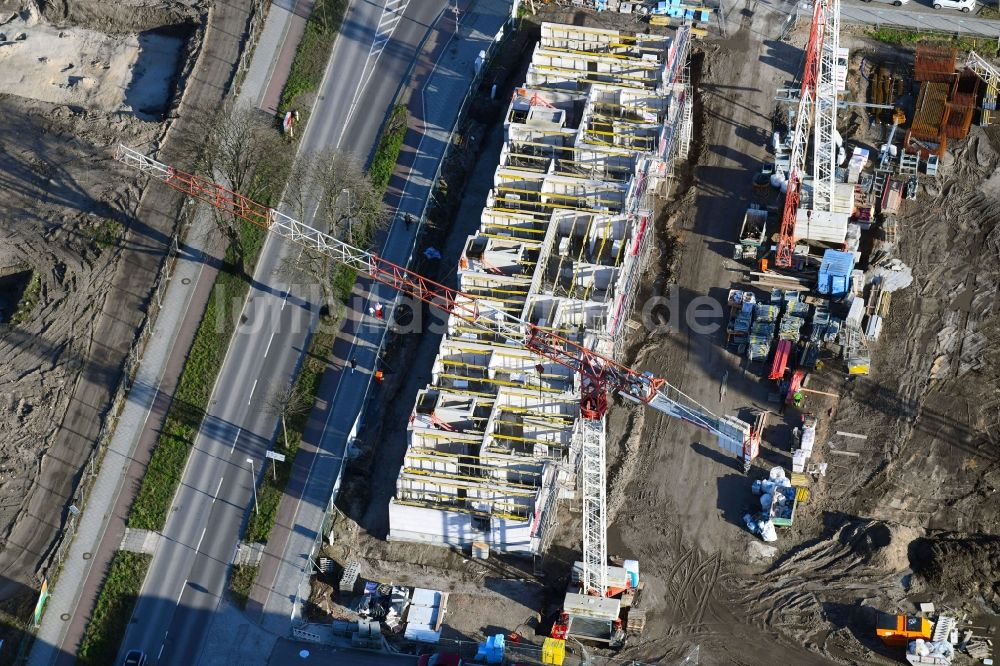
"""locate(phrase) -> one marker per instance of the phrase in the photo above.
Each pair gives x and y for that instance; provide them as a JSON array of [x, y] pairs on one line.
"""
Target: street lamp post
[[253, 484]]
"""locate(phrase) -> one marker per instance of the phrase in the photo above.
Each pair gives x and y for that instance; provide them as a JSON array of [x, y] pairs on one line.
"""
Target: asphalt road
[[187, 576], [290, 652], [919, 15]]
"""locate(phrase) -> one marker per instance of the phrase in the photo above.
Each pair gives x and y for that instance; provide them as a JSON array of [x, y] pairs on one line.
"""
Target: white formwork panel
[[430, 526]]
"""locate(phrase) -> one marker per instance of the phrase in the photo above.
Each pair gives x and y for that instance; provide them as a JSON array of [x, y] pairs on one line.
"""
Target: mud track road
[[675, 503]]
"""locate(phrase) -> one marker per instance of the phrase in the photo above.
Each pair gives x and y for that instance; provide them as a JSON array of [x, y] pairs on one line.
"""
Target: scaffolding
[[497, 436]]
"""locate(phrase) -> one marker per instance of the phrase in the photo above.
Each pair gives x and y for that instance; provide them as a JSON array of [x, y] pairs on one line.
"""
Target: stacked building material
[[790, 327], [741, 308], [820, 322], [762, 332], [886, 83], [929, 118]]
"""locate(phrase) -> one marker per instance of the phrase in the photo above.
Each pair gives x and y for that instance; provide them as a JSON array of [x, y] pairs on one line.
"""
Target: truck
[[753, 232]]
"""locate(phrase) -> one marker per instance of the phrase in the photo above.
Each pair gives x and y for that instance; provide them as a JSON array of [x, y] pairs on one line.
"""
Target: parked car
[[135, 658], [896, 3], [961, 5]]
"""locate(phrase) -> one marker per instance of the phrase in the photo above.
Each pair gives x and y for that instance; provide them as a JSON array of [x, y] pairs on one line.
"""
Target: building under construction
[[591, 138]]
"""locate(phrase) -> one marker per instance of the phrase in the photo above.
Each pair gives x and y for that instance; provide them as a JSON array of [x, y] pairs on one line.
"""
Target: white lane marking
[[239, 431], [284, 300], [217, 489], [252, 389], [392, 14], [198, 547], [269, 344], [160, 653], [182, 591]]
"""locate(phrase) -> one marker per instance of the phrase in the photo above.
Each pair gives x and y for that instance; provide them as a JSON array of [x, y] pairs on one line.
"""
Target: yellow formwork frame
[[425, 504], [515, 489], [498, 382]]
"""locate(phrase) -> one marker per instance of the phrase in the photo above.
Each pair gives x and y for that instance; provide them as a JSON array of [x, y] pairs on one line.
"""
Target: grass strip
[[29, 299], [390, 143], [166, 466], [313, 53], [241, 582], [113, 609], [904, 37]]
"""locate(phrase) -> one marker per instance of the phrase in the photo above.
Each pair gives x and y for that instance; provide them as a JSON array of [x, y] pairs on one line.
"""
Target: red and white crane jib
[[599, 373]]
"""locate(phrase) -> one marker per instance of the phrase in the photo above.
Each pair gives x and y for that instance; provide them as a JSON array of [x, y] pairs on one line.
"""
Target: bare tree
[[286, 402], [330, 191], [349, 206], [244, 151], [311, 267]]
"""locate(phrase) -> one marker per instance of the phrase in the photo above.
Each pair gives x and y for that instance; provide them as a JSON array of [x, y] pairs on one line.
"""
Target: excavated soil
[[68, 220], [913, 510]]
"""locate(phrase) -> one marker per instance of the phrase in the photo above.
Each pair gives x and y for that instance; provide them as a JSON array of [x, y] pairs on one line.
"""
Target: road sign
[[42, 598], [280, 457]]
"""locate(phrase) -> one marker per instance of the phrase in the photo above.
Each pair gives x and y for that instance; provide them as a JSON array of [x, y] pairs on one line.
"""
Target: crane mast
[[599, 374], [825, 150], [818, 96]]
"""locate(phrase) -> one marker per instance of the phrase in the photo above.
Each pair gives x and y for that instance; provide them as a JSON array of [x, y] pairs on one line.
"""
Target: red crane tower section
[[807, 103]]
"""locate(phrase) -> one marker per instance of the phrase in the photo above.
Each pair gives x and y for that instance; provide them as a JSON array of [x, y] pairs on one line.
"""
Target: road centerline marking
[[269, 343]]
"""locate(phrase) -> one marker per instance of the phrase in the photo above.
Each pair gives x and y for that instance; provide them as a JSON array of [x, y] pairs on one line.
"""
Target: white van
[[963, 5]]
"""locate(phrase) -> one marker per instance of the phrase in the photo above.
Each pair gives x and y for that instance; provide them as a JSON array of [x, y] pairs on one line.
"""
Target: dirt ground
[[919, 498], [68, 234], [908, 512]]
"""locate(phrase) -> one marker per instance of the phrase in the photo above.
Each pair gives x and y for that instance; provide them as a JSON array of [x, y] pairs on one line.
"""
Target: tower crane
[[600, 375], [816, 117]]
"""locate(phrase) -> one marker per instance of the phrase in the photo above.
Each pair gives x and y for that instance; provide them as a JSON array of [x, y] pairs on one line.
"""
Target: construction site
[[827, 464], [717, 375]]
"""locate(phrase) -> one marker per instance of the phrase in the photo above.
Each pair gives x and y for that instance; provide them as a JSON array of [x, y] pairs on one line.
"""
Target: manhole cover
[[64, 617], [87, 556], [185, 280]]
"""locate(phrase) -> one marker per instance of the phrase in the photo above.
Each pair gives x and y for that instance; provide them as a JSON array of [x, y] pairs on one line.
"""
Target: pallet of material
[[759, 344], [790, 327]]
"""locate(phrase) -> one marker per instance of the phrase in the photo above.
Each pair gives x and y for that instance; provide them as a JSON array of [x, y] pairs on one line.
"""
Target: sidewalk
[[279, 38], [319, 464], [102, 524]]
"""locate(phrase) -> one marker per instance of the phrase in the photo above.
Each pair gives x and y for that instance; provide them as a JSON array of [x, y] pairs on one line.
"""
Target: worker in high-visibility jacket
[[797, 398]]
